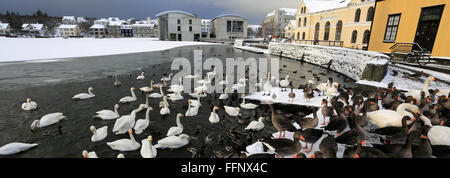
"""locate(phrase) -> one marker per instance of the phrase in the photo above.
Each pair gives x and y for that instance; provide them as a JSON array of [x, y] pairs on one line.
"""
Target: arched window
[[370, 14], [316, 34], [338, 31], [304, 22], [357, 15], [326, 35], [366, 37], [303, 36], [298, 35], [299, 22], [354, 36]]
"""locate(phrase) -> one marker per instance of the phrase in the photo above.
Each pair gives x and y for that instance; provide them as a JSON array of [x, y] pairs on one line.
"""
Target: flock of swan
[[400, 117]]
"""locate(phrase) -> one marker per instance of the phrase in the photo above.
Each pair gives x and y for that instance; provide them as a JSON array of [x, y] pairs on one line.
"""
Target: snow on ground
[[25, 49], [253, 49], [283, 97], [439, 75]]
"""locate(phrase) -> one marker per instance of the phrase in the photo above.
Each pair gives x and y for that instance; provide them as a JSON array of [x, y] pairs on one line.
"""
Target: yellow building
[[289, 30], [425, 22], [343, 23]]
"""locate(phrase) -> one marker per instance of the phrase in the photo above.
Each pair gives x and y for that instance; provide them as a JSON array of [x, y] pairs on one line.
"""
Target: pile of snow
[[283, 97], [379, 62], [25, 49], [253, 49]]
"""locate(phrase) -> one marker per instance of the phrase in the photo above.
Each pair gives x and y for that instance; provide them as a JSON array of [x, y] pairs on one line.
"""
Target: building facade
[[35, 29], [5, 29], [343, 23], [69, 30], [205, 27], [178, 26], [228, 27], [126, 30], [423, 22], [289, 30], [277, 20], [98, 30], [143, 30]]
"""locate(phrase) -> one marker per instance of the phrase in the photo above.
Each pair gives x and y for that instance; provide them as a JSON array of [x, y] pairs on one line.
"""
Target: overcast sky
[[254, 10]]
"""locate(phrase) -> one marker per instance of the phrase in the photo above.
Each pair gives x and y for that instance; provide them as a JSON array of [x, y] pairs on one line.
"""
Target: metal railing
[[320, 42]]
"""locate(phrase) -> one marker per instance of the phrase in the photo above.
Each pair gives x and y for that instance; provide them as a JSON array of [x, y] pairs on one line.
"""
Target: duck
[[214, 118], [140, 77], [125, 144], [280, 122], [142, 124], [47, 120], [147, 89], [147, 149], [178, 129], [309, 136], [173, 142], [87, 154], [256, 125], [283, 146], [116, 83], [98, 134], [126, 122], [247, 105], [129, 99], [164, 108], [108, 114], [83, 96], [191, 111], [232, 111], [291, 95], [29, 105], [224, 95], [16, 147], [157, 95], [284, 83]]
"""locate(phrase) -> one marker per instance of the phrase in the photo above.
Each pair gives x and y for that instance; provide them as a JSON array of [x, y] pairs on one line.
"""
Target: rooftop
[[228, 15], [174, 11], [323, 5]]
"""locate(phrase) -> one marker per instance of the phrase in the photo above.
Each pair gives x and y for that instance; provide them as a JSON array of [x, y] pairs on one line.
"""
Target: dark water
[[52, 84]]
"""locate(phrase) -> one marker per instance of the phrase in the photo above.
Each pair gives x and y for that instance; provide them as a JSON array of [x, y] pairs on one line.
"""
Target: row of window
[[354, 37], [179, 21], [179, 28], [370, 14]]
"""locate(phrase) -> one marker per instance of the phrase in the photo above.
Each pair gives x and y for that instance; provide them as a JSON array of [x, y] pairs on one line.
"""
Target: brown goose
[[327, 111], [308, 93], [328, 147], [351, 137], [317, 154], [283, 146], [361, 151], [307, 122], [309, 136], [401, 150], [292, 94], [280, 122]]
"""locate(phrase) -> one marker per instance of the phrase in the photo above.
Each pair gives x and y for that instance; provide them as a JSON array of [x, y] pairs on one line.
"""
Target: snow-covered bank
[[25, 49], [349, 62], [253, 49]]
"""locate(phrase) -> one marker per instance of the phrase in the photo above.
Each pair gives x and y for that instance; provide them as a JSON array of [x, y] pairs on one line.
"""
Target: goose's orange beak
[[302, 138], [423, 136], [442, 123], [313, 156], [356, 156]]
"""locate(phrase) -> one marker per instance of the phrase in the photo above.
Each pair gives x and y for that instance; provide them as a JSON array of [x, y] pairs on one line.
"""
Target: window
[[238, 26], [299, 22], [298, 35], [370, 14], [179, 21], [190, 28], [190, 21], [354, 36], [366, 37], [228, 26], [392, 27], [338, 31], [304, 22], [179, 28], [316, 34], [326, 35], [303, 36], [357, 15]]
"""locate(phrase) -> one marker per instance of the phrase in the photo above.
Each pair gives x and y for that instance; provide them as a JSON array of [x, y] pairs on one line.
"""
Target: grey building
[[277, 20], [228, 27], [178, 26]]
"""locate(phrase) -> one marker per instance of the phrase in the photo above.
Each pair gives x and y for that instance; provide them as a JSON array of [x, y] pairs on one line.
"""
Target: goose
[[98, 134], [116, 83], [47, 120], [108, 114], [416, 93], [83, 96], [267, 86], [157, 95], [147, 149], [438, 135], [175, 96], [192, 111], [232, 111], [15, 147], [256, 125], [389, 118], [125, 122], [125, 144], [224, 82], [142, 124], [291, 95], [87, 154], [280, 122], [284, 83], [178, 129], [29, 105], [224, 95], [120, 155], [328, 146], [443, 93], [309, 136], [283, 146], [129, 99], [173, 142], [308, 93], [147, 89], [247, 105], [140, 77], [196, 103], [214, 118], [164, 108], [167, 78]]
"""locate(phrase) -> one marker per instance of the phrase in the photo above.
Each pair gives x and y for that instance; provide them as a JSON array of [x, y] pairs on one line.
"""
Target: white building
[[35, 29], [98, 30], [228, 27], [69, 30], [205, 27], [143, 30], [179, 26], [277, 20], [5, 28], [253, 30]]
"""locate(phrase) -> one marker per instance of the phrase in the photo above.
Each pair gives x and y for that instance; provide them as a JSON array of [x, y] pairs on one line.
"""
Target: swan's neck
[[179, 122], [160, 89], [260, 119], [146, 100], [90, 92], [243, 100], [132, 138], [151, 85], [115, 110], [164, 81], [132, 94], [147, 114]]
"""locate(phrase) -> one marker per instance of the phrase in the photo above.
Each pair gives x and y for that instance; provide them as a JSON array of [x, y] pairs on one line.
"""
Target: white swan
[[247, 105], [267, 86], [167, 78], [192, 111], [175, 96], [201, 89], [232, 111], [147, 89], [195, 95], [224, 82], [157, 95], [158, 85], [126, 122], [108, 114], [416, 93], [174, 88], [173, 142], [332, 91], [87, 154], [83, 96], [389, 118], [196, 103], [147, 149], [120, 155], [213, 73], [256, 125], [224, 95], [142, 124], [178, 129], [140, 77], [47, 120], [129, 99], [125, 144], [438, 135], [164, 108], [203, 81], [15, 147], [98, 134], [29, 105], [192, 76], [214, 118], [285, 83]]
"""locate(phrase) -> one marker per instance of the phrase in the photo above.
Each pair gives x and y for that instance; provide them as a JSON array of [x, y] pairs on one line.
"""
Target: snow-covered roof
[[323, 5], [4, 25], [206, 20], [288, 11], [68, 18], [80, 19], [254, 27], [143, 25], [174, 11], [35, 26], [67, 26], [97, 26], [228, 15]]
